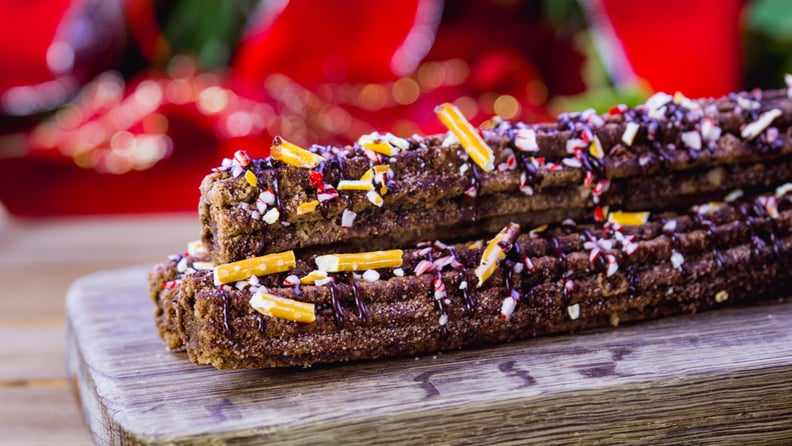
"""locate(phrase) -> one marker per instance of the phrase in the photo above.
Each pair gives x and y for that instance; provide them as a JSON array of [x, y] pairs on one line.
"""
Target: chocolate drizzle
[[468, 203], [339, 315]]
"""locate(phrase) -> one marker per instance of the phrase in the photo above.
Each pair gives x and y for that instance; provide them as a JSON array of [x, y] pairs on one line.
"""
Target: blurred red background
[[122, 106]]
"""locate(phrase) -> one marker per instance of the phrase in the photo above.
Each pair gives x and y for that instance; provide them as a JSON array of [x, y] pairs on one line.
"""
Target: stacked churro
[[400, 246]]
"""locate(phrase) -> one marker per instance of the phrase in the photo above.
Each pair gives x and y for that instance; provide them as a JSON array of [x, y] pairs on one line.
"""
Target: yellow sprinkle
[[283, 308], [596, 148], [381, 147], [294, 155], [355, 185], [333, 263], [307, 207], [313, 276], [628, 218], [250, 177], [471, 141], [376, 170], [494, 253], [383, 189], [257, 266]]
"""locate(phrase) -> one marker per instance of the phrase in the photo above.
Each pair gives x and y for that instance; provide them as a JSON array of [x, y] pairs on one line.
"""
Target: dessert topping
[[630, 130], [525, 140], [628, 218], [293, 154], [573, 311], [496, 251], [251, 178], [196, 247], [348, 218], [307, 207], [752, 130], [313, 276], [271, 305], [355, 185], [333, 263], [256, 266], [468, 137]]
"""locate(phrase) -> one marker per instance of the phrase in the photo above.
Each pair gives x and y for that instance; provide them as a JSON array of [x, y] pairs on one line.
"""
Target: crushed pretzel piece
[[496, 251], [256, 266], [293, 154], [468, 137], [355, 185], [628, 218], [307, 207], [334, 263], [279, 307]]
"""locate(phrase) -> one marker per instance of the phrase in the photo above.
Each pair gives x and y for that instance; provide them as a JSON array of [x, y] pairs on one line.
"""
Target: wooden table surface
[[39, 259]]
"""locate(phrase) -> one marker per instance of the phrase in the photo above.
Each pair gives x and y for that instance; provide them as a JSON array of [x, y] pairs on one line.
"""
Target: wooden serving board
[[717, 377]]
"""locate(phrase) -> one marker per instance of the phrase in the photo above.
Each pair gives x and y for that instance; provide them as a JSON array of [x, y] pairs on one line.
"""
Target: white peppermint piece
[[395, 141], [733, 196], [670, 226], [692, 139], [449, 140], [755, 128], [573, 311], [369, 138], [572, 162], [525, 140], [398, 272], [630, 130], [748, 104], [677, 260], [575, 144], [182, 265], [709, 131], [271, 216], [371, 275], [658, 100], [267, 197], [348, 218], [783, 190], [509, 304], [443, 319]]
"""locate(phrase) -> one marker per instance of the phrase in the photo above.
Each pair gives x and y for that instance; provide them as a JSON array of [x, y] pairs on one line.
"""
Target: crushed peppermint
[[423, 266], [752, 130], [692, 139], [371, 275], [507, 308], [525, 140], [670, 226], [267, 197], [398, 272], [677, 260], [573, 311], [630, 130], [613, 265], [733, 196], [348, 218], [271, 216], [783, 190], [572, 162], [709, 131]]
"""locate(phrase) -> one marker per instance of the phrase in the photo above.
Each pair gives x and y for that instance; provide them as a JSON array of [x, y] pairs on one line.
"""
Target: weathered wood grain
[[43, 415], [720, 377]]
